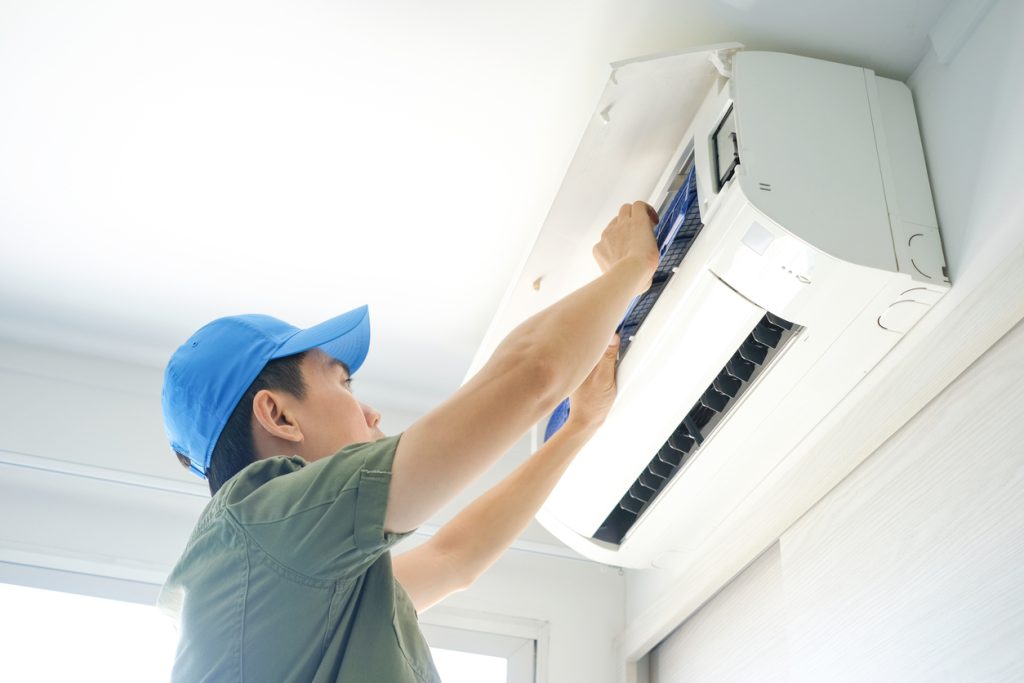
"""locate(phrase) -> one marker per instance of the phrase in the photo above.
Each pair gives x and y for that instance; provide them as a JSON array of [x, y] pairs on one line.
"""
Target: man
[[287, 574]]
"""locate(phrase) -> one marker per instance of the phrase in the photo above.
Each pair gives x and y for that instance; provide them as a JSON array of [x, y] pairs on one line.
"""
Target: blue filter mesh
[[677, 228], [557, 419]]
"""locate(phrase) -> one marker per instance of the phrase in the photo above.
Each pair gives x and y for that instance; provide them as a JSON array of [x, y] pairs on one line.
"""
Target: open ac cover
[[799, 244]]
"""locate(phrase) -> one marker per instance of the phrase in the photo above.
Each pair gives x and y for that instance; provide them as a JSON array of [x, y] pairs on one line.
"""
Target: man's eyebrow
[[341, 364]]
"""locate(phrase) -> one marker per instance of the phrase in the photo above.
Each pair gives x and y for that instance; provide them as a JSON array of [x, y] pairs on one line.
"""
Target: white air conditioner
[[808, 246]]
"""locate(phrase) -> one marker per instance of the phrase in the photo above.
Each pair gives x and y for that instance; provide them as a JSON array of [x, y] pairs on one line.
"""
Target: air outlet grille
[[764, 342]]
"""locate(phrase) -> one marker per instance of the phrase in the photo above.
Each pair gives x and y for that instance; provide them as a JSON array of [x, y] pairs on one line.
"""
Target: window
[[51, 635], [456, 666], [488, 650], [54, 636]]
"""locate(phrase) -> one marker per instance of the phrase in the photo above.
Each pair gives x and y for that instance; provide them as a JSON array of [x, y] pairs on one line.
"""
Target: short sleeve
[[325, 519]]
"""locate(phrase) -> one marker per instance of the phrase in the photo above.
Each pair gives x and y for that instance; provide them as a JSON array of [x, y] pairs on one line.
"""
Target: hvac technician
[[287, 574]]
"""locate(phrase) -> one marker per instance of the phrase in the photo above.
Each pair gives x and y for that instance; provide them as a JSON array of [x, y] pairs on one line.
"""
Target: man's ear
[[274, 416]]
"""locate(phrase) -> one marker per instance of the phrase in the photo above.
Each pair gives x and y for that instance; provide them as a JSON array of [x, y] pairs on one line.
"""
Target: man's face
[[330, 416]]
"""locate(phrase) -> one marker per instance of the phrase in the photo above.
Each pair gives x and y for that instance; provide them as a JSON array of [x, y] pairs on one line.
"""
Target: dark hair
[[235, 447]]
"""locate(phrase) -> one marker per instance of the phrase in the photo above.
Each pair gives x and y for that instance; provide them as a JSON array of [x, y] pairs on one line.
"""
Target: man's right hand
[[630, 235]]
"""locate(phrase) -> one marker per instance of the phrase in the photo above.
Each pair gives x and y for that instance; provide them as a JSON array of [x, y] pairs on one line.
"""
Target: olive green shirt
[[287, 577]]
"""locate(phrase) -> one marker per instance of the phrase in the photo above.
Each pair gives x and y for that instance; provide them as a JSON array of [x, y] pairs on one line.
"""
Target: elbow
[[469, 573], [463, 581], [539, 377], [547, 378], [461, 570]]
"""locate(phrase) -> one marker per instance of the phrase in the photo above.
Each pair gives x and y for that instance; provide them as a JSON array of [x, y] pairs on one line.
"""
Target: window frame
[[523, 642]]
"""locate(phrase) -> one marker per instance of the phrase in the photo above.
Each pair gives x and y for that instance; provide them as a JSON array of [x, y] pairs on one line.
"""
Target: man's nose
[[372, 416]]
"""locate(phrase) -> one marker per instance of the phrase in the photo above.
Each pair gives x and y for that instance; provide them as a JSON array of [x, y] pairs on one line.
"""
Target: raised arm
[[471, 542], [535, 366]]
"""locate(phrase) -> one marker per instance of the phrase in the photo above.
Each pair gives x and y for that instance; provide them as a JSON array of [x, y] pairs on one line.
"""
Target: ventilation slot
[[765, 341]]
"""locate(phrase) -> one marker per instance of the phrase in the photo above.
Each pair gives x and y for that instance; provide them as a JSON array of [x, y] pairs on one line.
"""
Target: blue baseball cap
[[207, 375]]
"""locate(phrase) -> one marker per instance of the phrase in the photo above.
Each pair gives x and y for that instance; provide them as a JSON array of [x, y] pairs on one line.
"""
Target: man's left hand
[[590, 403]]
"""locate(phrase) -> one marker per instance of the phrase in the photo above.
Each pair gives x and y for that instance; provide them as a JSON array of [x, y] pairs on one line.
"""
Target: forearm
[[465, 547], [539, 363], [478, 535], [572, 333]]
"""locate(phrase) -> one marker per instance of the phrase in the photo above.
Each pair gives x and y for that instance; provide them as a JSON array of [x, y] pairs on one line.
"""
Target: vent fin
[[765, 341]]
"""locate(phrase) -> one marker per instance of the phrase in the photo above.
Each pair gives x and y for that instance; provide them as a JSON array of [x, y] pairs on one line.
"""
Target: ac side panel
[[912, 199], [805, 131], [908, 193]]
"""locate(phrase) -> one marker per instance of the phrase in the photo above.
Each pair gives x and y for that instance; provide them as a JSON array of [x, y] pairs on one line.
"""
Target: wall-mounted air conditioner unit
[[799, 243]]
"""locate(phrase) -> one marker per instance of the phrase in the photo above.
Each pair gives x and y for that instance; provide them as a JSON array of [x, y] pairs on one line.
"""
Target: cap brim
[[346, 337]]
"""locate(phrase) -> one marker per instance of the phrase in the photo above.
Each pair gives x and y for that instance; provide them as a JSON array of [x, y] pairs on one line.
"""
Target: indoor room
[[539, 342]]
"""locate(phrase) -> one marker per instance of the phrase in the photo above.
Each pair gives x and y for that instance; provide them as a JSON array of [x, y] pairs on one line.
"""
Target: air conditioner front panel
[[805, 129]]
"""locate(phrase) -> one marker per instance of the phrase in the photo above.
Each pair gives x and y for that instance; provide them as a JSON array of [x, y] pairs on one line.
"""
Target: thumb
[[613, 346]]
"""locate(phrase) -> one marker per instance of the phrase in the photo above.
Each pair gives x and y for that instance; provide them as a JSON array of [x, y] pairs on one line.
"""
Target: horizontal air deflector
[[764, 342]]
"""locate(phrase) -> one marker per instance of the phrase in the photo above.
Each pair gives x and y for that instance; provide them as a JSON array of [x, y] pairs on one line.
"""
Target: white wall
[[912, 569], [88, 483], [706, 646], [92, 501], [968, 111]]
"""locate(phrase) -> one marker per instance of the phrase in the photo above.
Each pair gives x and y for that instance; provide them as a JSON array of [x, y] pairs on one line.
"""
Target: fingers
[[638, 208], [629, 234], [607, 362]]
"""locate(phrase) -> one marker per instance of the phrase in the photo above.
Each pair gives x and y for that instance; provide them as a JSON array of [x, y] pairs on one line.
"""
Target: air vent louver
[[756, 352]]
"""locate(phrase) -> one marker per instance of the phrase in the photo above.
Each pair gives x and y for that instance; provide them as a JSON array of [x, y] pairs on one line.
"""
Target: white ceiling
[[165, 164]]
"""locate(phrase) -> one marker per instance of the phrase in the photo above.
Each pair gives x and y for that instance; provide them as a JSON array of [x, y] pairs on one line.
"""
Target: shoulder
[[281, 486], [257, 474]]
